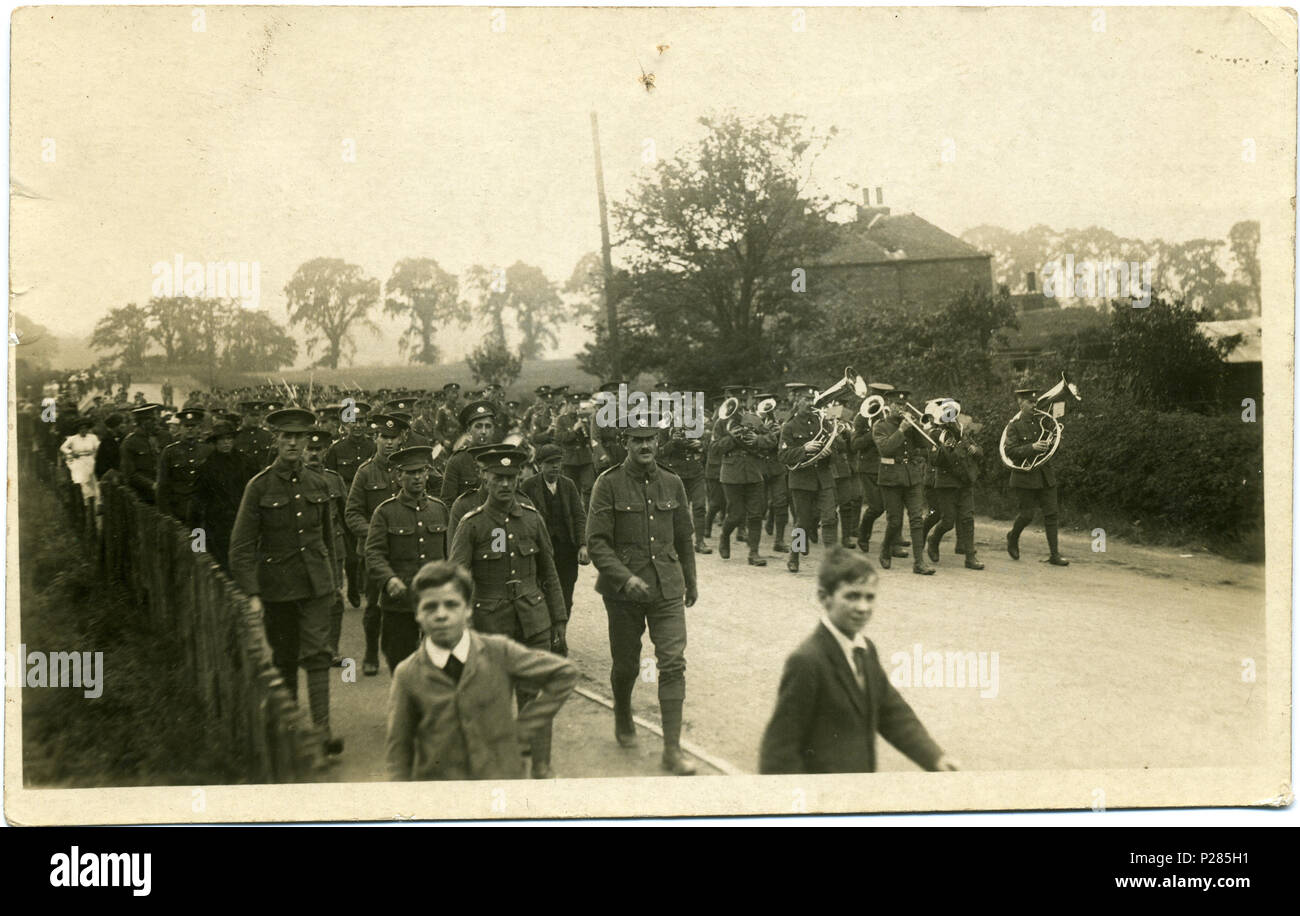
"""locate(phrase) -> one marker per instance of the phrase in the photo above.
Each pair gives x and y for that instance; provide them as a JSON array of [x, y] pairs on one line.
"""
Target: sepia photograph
[[480, 413]]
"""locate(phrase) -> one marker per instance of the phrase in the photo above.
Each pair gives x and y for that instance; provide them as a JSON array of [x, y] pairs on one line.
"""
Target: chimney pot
[[880, 196]]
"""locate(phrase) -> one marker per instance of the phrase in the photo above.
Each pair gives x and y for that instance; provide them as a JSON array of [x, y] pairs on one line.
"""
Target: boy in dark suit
[[835, 696]]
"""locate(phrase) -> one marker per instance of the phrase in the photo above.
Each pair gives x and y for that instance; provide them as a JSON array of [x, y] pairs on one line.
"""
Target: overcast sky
[[474, 146]]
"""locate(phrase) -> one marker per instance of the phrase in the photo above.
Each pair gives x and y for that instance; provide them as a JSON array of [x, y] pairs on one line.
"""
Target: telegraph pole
[[615, 358]]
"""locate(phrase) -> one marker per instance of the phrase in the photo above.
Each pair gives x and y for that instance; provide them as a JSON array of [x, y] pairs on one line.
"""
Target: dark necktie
[[860, 663], [453, 668]]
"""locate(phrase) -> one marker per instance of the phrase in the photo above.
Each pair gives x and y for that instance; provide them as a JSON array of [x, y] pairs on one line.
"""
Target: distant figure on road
[[450, 711], [835, 696]]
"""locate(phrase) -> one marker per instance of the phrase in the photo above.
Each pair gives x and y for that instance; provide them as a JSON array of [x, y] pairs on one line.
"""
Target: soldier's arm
[[579, 514], [355, 513], [377, 549], [600, 534], [554, 676], [792, 443], [462, 545], [889, 444], [1019, 446], [860, 440], [451, 482], [547, 577], [243, 541]]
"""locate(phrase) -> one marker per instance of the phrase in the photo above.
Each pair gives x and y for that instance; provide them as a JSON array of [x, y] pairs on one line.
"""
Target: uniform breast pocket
[[401, 543], [277, 514], [527, 547]]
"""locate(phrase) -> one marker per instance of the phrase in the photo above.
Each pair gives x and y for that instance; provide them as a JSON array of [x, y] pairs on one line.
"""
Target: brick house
[[887, 261]]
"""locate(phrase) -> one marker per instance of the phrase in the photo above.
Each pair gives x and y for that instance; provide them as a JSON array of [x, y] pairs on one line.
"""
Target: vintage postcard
[[499, 412]]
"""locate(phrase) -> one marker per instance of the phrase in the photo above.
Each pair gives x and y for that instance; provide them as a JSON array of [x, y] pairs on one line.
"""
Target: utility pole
[[615, 358]]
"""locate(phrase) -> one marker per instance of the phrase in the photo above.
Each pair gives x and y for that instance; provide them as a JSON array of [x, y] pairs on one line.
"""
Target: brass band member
[[869, 472], [1036, 488], [903, 451], [573, 434], [812, 489], [745, 443], [956, 469]]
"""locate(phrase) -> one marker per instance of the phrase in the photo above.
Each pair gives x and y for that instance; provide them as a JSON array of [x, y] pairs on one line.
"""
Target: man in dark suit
[[835, 696], [1034, 489], [560, 504]]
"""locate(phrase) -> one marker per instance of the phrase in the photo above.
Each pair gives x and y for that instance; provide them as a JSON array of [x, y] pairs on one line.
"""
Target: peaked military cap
[[1026, 392], [192, 416], [503, 459], [476, 410], [640, 427], [319, 437], [881, 388], [413, 458], [387, 424], [221, 429], [291, 420]]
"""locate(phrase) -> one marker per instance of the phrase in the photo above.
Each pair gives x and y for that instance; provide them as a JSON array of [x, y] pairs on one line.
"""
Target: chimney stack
[[880, 197], [1031, 281]]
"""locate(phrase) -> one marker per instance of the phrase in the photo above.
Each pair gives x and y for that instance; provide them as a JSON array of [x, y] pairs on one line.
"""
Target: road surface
[[1128, 658]]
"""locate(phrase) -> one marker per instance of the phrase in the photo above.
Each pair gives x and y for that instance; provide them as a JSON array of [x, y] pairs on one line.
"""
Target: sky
[[473, 143]]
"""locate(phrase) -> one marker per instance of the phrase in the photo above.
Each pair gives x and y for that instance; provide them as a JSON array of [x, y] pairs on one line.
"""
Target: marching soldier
[[573, 434], [812, 488], [507, 549], [280, 555], [684, 457], [639, 537], [344, 457], [774, 475], [140, 453], [375, 481], [1036, 488], [318, 440], [715, 496], [478, 419], [848, 492], [864, 446], [178, 468], [406, 532], [252, 440], [745, 442], [902, 451], [956, 468]]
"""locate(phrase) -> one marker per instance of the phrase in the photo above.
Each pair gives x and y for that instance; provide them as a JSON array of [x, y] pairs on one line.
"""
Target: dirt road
[[1127, 658]]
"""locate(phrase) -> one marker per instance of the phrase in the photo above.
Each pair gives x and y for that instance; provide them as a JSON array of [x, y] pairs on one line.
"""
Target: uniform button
[[300, 513], [652, 537]]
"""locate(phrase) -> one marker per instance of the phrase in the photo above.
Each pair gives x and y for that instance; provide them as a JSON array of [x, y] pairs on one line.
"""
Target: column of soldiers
[[304, 509]]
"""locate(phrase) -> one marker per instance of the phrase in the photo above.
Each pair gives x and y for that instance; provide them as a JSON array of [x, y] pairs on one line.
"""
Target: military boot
[[674, 760], [755, 536]]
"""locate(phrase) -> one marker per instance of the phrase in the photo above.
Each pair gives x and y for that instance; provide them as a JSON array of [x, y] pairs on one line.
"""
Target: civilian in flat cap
[[1034, 489], [281, 555], [406, 532], [641, 541], [374, 482], [140, 452], [218, 489], [506, 547], [557, 499], [178, 467], [478, 420], [318, 441]]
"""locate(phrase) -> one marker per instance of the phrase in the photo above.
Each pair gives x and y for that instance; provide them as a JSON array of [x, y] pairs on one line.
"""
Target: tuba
[[825, 438], [1050, 428], [851, 379]]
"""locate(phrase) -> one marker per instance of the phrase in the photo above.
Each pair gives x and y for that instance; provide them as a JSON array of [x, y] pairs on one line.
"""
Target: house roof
[[1251, 348], [905, 236]]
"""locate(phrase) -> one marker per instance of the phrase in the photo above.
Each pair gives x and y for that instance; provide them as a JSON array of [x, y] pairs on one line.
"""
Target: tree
[[1243, 240], [172, 326], [493, 363], [430, 297], [125, 333], [330, 297], [714, 235], [1160, 357], [523, 294], [255, 343], [36, 343]]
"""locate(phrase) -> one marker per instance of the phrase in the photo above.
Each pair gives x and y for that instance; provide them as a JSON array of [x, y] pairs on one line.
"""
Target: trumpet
[[911, 421]]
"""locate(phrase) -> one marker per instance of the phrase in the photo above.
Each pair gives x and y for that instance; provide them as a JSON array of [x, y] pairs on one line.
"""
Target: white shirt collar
[[438, 655], [846, 645], [553, 487]]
